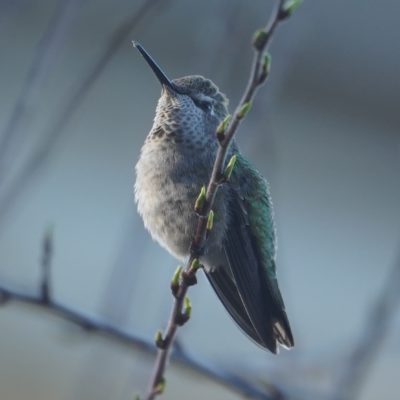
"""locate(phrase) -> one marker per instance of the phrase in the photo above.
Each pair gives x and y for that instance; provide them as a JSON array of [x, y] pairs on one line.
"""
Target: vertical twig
[[47, 254], [181, 281], [43, 57], [354, 373], [32, 166]]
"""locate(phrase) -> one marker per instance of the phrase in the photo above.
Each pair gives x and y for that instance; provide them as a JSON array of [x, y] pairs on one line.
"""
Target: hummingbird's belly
[[168, 214], [166, 205]]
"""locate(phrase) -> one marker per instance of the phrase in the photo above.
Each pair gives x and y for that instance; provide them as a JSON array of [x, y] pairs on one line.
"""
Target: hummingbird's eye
[[205, 105]]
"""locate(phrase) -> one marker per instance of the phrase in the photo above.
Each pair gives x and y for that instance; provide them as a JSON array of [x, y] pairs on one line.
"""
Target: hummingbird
[[240, 251]]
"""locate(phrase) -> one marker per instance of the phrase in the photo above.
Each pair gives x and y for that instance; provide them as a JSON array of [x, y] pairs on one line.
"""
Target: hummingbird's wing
[[226, 290], [250, 251]]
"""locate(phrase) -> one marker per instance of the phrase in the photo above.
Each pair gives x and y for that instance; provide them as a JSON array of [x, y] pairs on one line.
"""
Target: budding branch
[[184, 278]]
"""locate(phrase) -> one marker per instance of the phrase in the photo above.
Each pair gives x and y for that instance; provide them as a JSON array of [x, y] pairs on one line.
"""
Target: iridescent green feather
[[254, 193]]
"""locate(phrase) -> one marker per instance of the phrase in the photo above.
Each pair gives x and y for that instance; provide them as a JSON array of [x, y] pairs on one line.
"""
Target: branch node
[[260, 39], [160, 386], [160, 342], [189, 278], [181, 319], [288, 8]]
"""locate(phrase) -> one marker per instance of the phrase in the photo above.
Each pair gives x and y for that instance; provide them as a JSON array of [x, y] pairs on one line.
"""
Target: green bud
[[266, 63], [198, 205], [244, 109], [222, 127], [210, 220], [195, 264], [260, 39], [288, 8], [158, 338], [187, 307], [175, 279], [160, 387], [265, 67], [229, 167]]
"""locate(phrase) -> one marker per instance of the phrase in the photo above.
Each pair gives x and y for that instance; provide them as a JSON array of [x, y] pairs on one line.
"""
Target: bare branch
[[33, 165], [44, 54], [45, 301], [47, 253], [225, 378], [204, 204], [360, 361]]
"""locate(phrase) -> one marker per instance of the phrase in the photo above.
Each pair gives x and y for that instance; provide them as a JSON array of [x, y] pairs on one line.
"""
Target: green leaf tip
[[288, 8], [201, 198], [158, 339], [229, 167], [176, 276], [195, 265], [160, 387], [187, 306], [265, 67], [260, 39], [244, 109], [221, 128], [210, 220], [158, 336], [266, 63]]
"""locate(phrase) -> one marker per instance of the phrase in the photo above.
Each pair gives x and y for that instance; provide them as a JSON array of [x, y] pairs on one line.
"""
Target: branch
[[182, 279], [45, 301], [51, 39], [54, 132], [360, 361]]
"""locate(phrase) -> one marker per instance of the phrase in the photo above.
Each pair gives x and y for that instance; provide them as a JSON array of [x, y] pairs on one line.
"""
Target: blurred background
[[76, 105]]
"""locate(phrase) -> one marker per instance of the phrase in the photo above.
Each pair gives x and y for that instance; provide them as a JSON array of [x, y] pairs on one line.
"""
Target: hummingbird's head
[[192, 103], [203, 94]]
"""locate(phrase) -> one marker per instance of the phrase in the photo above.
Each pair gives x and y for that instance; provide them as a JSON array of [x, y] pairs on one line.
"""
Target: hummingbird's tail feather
[[283, 335], [228, 294]]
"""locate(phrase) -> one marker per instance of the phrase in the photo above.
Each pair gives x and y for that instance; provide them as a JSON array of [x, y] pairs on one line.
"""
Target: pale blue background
[[325, 131]]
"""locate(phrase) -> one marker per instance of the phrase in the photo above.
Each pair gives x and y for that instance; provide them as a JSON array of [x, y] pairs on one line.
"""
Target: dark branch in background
[[182, 279], [360, 361], [45, 301], [31, 167], [47, 252], [44, 55]]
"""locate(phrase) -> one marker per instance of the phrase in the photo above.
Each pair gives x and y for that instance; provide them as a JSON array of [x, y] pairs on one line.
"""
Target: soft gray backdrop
[[325, 131]]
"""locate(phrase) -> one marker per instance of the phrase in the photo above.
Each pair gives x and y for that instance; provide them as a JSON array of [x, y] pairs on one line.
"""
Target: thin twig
[[94, 325], [36, 160], [178, 314], [47, 254], [354, 373], [44, 55], [44, 299]]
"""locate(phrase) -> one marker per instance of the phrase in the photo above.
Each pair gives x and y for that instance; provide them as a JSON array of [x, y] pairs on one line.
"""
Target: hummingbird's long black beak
[[164, 80]]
